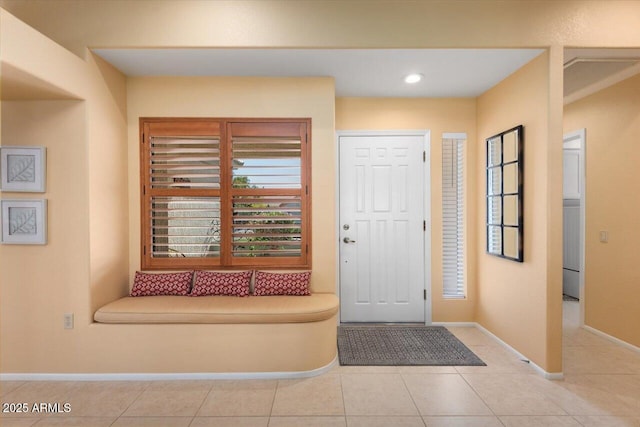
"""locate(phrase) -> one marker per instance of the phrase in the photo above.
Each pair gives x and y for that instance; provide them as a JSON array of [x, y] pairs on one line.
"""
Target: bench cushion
[[220, 309]]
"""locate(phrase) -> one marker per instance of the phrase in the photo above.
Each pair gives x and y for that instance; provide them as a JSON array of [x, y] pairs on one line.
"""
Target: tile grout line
[[201, 404], [480, 397], [413, 400], [273, 402], [344, 405], [146, 386], [461, 374], [576, 420]]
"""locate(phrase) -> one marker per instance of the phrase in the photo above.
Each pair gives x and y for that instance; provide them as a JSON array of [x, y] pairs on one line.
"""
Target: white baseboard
[[456, 324], [538, 369], [281, 375], [612, 338], [171, 376]]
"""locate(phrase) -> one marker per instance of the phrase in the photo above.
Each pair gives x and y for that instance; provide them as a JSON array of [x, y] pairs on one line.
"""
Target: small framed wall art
[[24, 222], [23, 169]]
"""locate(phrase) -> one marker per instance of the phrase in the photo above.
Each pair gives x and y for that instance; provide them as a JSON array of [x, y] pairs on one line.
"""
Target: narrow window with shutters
[[453, 216], [225, 193]]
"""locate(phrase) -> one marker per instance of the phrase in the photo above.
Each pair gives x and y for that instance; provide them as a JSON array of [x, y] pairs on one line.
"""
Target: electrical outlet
[[68, 320], [604, 236]]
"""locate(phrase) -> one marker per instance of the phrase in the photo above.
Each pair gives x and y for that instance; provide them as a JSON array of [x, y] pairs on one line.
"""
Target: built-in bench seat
[[168, 309], [218, 335]]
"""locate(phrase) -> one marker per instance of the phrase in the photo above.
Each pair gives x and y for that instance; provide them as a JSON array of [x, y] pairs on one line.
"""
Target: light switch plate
[[68, 320]]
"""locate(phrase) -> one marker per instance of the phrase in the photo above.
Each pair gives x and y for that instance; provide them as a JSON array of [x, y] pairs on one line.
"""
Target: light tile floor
[[601, 388]]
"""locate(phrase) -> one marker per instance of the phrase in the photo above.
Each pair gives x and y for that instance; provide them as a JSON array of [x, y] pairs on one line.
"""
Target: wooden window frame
[[224, 129]]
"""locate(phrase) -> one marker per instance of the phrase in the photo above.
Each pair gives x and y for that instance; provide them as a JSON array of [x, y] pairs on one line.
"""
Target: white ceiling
[[357, 72]]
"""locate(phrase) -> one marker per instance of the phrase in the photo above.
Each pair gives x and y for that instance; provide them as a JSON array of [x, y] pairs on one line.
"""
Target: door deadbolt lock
[[345, 227]]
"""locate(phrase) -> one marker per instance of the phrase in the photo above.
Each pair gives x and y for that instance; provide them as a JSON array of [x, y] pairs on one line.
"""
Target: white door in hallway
[[573, 212], [382, 237]]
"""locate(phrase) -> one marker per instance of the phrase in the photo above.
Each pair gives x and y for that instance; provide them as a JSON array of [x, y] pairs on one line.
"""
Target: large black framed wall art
[[505, 173]]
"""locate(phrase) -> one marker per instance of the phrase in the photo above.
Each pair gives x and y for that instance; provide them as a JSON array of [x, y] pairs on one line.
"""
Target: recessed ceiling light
[[413, 78]]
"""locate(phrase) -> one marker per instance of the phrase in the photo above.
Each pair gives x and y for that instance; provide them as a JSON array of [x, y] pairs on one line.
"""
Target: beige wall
[[320, 23], [77, 24], [84, 262], [611, 118], [513, 297], [106, 123], [35, 67], [246, 97], [439, 116], [87, 259], [40, 283]]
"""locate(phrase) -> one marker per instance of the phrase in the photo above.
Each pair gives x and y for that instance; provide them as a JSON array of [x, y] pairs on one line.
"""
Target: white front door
[[382, 238]]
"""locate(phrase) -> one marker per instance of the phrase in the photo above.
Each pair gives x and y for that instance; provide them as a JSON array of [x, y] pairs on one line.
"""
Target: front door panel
[[381, 228]]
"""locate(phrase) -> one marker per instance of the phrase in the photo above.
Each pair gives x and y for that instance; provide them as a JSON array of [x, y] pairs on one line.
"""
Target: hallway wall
[[612, 272]]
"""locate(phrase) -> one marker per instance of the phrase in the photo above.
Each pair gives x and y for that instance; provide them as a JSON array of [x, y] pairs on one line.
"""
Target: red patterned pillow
[[219, 283], [282, 283], [146, 284]]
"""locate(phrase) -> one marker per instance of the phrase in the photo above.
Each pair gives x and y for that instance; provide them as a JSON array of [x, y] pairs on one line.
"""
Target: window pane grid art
[[505, 171]]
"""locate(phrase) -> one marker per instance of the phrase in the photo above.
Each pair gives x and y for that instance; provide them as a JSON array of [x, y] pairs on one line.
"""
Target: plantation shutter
[[225, 193], [185, 162], [453, 216], [181, 205], [269, 193]]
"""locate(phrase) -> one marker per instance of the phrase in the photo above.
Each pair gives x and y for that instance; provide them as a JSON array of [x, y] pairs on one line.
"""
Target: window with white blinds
[[225, 193], [453, 216]]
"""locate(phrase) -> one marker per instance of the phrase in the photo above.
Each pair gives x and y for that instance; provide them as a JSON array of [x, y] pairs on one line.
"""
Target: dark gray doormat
[[402, 346]]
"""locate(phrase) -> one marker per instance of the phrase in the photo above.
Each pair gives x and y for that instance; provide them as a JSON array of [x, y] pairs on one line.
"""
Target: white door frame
[[581, 137], [426, 173]]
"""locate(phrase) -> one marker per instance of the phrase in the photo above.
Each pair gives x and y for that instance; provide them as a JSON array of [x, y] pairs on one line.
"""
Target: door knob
[[348, 240]]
